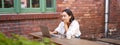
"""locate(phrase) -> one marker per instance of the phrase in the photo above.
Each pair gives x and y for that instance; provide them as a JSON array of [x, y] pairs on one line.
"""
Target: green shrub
[[19, 40]]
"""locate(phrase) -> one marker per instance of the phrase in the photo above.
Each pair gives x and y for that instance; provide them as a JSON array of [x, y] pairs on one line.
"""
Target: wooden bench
[[111, 41]]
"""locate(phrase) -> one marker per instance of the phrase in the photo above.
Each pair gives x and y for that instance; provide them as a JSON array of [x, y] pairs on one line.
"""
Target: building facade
[[25, 16]]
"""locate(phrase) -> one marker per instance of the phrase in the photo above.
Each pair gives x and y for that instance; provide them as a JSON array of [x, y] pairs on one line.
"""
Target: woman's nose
[[62, 18]]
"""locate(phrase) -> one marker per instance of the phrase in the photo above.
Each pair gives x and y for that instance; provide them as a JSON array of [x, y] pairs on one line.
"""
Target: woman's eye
[[64, 16]]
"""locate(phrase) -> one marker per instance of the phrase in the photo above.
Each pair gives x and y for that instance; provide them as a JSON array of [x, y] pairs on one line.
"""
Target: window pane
[[8, 4], [48, 3], [0, 3], [35, 3], [30, 4], [23, 3]]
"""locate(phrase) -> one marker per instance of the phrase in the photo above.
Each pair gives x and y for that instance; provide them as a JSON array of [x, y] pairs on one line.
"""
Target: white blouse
[[73, 30]]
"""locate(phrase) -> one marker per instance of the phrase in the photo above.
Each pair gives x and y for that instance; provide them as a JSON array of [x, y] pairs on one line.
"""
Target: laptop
[[45, 31]]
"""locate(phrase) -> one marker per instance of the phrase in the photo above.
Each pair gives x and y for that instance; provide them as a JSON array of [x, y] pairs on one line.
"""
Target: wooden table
[[36, 35], [64, 41], [112, 41], [74, 41]]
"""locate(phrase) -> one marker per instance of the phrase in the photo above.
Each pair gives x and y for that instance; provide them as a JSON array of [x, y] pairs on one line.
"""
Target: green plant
[[19, 40]]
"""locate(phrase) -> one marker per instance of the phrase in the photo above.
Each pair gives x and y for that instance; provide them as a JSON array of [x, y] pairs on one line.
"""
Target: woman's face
[[65, 17]]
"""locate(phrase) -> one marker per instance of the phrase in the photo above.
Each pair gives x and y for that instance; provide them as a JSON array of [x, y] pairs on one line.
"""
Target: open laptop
[[45, 31]]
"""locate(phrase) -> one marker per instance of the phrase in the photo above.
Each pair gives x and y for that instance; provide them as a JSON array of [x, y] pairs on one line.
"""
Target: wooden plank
[[112, 41]]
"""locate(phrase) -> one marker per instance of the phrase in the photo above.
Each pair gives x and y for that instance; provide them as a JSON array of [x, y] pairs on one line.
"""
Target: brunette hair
[[69, 12]]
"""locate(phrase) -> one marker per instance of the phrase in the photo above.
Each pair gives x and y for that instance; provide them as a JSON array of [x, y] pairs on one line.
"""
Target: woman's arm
[[66, 27], [58, 29], [74, 29]]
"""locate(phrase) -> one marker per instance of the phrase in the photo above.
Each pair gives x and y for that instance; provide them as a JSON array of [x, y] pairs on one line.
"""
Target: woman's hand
[[52, 32]]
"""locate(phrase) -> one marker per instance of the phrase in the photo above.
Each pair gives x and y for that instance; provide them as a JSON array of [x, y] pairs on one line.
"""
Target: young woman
[[68, 26]]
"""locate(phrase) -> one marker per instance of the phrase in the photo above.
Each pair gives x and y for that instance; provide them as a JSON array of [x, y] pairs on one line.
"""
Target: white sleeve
[[59, 28]]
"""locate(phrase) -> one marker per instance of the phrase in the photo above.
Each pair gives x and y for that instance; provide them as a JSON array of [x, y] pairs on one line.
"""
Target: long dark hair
[[69, 12]]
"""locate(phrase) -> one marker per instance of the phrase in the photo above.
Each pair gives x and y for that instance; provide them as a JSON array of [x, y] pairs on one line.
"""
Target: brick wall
[[25, 24], [89, 13], [114, 21]]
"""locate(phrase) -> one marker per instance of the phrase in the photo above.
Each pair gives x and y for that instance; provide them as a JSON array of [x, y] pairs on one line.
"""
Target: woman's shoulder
[[75, 21]]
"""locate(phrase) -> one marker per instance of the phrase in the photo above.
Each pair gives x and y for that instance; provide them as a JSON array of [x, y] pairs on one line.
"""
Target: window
[[27, 6], [6, 6], [49, 3]]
